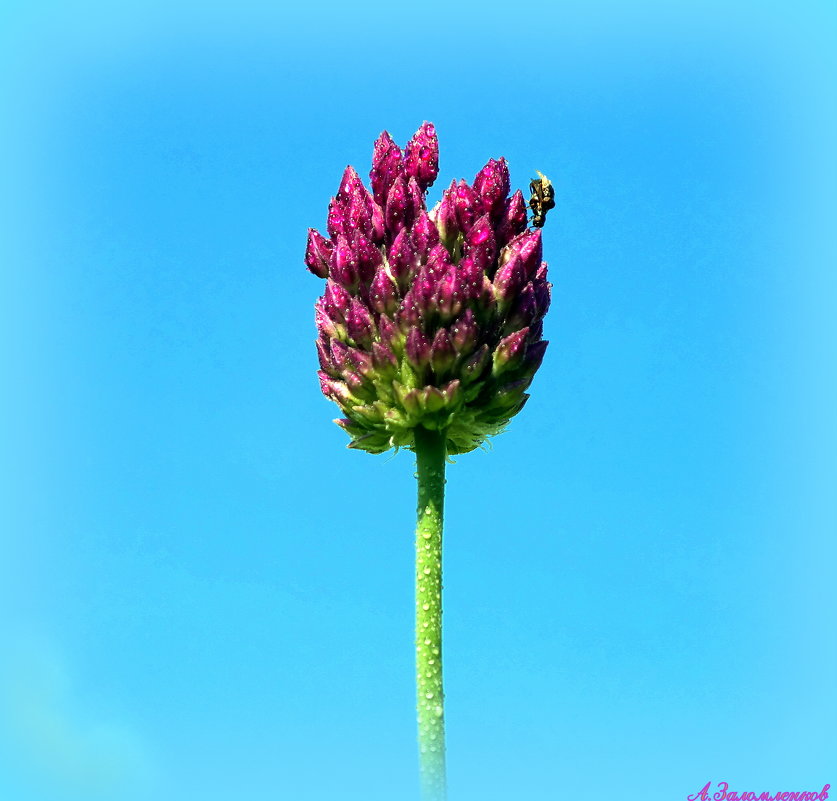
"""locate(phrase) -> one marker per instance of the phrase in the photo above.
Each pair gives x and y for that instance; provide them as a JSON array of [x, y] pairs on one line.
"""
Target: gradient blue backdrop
[[206, 596]]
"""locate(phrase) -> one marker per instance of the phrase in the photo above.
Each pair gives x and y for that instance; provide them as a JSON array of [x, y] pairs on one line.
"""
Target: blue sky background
[[204, 594]]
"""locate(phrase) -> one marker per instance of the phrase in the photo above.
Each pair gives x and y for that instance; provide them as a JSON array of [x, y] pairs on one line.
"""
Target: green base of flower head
[[469, 414]]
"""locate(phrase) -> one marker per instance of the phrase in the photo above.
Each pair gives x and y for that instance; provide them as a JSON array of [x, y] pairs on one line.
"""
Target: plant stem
[[430, 463]]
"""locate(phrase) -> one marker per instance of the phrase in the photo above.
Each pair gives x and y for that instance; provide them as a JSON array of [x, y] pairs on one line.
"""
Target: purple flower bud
[[528, 247], [383, 358], [471, 277], [350, 186], [450, 294], [535, 352], [474, 367], [336, 301], [377, 224], [368, 258], [509, 279], [383, 295], [524, 311], [336, 220], [491, 187], [442, 354], [465, 332], [487, 300], [343, 266], [424, 289], [386, 167], [438, 261], [317, 253], [397, 205], [410, 312], [339, 354], [359, 214], [509, 352], [324, 356], [334, 389], [421, 159], [415, 203], [325, 325], [360, 362], [359, 324], [425, 234], [447, 222], [513, 218], [390, 335], [417, 348], [531, 251], [358, 386], [542, 289], [457, 211], [465, 202], [403, 259], [480, 244]]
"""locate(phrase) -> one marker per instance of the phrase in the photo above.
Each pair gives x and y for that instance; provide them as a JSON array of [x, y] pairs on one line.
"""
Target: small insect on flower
[[542, 200]]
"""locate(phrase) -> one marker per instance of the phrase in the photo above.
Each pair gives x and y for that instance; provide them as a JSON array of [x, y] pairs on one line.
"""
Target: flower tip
[[384, 140], [349, 183], [387, 165], [491, 185], [421, 156]]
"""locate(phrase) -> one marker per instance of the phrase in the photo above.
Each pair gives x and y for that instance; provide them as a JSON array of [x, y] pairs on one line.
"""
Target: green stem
[[430, 462]]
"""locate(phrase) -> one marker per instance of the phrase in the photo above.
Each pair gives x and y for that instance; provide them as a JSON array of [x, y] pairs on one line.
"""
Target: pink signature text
[[725, 794]]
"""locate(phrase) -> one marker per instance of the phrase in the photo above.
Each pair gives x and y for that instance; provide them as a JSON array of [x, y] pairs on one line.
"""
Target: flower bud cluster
[[431, 318]]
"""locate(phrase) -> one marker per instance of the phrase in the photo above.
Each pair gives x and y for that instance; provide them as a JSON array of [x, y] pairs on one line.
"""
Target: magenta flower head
[[430, 317]]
